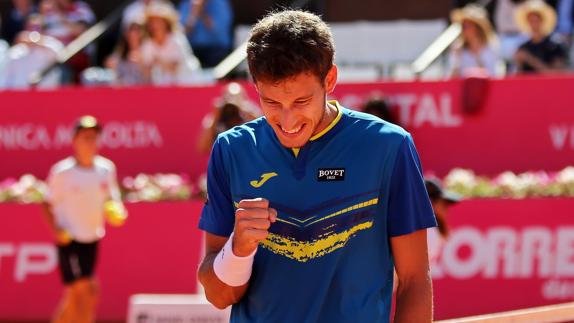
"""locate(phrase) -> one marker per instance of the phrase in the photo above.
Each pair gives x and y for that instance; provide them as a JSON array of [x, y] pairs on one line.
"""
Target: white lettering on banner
[[30, 259], [135, 135], [505, 252], [62, 137], [115, 135], [502, 241], [25, 136], [565, 252], [35, 259], [558, 289], [416, 110], [536, 245], [6, 250], [559, 136]]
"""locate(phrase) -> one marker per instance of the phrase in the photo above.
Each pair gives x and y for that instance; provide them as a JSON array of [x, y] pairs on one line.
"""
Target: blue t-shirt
[[328, 256]]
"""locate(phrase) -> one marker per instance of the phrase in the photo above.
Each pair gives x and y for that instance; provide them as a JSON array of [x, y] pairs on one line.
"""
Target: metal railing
[[440, 44], [81, 42]]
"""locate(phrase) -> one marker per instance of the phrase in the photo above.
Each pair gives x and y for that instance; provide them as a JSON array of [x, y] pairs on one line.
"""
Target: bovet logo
[[331, 174]]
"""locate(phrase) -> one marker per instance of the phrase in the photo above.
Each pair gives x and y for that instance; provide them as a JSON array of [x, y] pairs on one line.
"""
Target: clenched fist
[[252, 221]]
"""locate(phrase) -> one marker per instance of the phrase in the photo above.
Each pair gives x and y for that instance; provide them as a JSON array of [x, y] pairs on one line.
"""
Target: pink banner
[[501, 255], [157, 251], [505, 254], [524, 124]]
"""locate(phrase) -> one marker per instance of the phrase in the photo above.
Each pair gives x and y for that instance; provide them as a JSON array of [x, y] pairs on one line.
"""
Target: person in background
[[476, 50], [565, 26], [15, 21], [82, 193], [380, 107], [165, 55], [540, 54], [66, 20], [31, 54], [441, 200], [233, 108], [137, 9], [509, 34], [208, 26], [126, 60]]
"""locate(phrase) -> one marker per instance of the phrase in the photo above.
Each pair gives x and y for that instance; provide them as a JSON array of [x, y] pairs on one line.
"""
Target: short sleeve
[[409, 207], [218, 216]]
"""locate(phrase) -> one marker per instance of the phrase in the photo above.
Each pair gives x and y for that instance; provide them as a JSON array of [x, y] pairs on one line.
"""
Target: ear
[[331, 79]]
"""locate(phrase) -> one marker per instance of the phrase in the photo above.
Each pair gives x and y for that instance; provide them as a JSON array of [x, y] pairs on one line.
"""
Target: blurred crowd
[[154, 47], [165, 44], [512, 37]]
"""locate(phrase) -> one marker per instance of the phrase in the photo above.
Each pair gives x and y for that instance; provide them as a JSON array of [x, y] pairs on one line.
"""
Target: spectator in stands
[[507, 30], [540, 54], [126, 60], [231, 109], [476, 51], [380, 107], [166, 55], [136, 10], [15, 21], [441, 200], [66, 20], [209, 26], [31, 54]]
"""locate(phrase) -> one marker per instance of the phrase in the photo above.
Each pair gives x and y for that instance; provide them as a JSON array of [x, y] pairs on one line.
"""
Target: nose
[[288, 119]]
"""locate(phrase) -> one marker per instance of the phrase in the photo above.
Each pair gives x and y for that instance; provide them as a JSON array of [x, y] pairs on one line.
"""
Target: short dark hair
[[287, 43]]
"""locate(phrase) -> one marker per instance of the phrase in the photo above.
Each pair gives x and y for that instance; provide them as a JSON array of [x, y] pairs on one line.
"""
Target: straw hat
[[477, 15], [160, 9], [535, 6]]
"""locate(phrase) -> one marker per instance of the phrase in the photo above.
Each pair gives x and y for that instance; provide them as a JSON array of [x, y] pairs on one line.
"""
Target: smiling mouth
[[293, 131]]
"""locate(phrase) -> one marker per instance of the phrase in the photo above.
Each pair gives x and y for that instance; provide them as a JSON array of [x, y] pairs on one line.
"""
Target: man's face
[[85, 143], [295, 107], [535, 22]]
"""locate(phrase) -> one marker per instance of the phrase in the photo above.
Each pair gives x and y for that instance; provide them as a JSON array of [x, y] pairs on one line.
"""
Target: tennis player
[[311, 207]]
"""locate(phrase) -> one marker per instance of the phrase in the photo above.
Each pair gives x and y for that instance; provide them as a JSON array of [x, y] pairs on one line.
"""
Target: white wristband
[[232, 270]]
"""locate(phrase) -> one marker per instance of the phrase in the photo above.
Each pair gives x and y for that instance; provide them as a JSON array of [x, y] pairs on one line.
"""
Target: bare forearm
[[218, 293], [414, 301]]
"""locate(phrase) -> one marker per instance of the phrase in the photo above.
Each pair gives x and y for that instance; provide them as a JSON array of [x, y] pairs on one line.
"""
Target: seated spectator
[[15, 21], [66, 20], [32, 53], [136, 10], [209, 26], [126, 60], [379, 107], [233, 108], [540, 54], [165, 54], [476, 50]]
